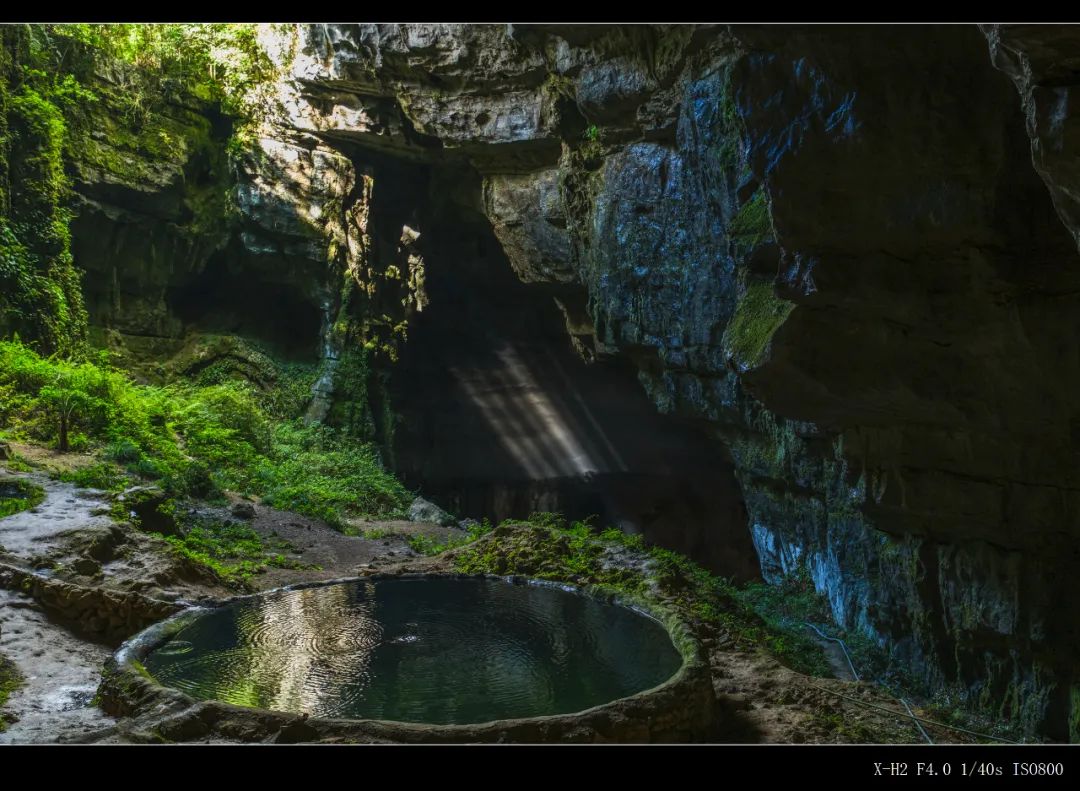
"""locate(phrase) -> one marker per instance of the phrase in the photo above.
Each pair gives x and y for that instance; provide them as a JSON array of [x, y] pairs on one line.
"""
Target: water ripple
[[427, 650]]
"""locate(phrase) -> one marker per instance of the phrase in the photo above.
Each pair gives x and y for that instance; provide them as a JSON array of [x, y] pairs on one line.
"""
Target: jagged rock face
[[178, 236], [1043, 61], [829, 244]]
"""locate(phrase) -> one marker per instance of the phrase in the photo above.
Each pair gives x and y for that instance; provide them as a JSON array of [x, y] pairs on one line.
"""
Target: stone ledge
[[95, 612], [682, 709]]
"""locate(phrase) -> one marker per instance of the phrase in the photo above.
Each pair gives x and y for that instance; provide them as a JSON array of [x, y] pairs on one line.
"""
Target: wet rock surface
[[60, 677]]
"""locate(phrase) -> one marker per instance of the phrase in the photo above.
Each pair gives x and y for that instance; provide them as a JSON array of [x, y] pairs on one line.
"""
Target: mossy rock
[[757, 317], [18, 495], [10, 680]]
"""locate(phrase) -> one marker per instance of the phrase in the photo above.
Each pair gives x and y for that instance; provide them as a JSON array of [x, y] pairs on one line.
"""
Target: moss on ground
[[10, 680], [233, 552], [17, 495], [426, 545]]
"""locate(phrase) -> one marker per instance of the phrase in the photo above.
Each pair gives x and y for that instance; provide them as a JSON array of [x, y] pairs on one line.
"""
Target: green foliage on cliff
[[193, 439], [93, 96], [213, 61], [751, 224], [40, 288], [757, 317]]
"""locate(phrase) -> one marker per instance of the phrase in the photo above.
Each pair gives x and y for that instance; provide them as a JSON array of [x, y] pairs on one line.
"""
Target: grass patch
[[374, 534], [17, 495], [102, 475], [318, 471], [18, 463], [784, 610], [234, 552], [426, 545], [10, 680]]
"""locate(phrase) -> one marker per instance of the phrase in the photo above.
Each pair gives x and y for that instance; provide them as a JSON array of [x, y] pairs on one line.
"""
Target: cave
[[766, 332], [232, 295], [500, 416]]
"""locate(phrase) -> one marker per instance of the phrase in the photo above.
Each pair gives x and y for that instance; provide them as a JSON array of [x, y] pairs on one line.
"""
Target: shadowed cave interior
[[500, 417]]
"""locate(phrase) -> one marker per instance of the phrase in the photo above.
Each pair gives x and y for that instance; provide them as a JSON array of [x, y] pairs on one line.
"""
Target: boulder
[[423, 511]]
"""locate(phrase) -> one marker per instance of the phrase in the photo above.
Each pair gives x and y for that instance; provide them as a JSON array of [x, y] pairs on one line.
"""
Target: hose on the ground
[[913, 716], [854, 672]]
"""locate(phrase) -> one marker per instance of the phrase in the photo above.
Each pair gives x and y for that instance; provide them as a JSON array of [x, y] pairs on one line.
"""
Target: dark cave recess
[[500, 417]]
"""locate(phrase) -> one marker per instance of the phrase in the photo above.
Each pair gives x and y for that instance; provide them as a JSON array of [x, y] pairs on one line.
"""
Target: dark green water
[[421, 650]]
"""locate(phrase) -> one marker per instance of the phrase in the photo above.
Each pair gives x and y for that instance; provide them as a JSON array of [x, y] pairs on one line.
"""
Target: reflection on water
[[421, 650]]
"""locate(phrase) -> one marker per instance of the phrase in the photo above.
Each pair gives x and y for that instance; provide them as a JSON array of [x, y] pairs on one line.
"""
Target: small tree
[[70, 399]]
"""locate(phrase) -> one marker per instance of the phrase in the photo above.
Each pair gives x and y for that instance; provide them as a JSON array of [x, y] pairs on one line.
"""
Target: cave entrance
[[235, 296], [499, 417]]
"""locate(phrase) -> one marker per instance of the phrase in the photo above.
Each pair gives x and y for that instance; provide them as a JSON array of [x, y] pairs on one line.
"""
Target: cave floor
[[762, 700]]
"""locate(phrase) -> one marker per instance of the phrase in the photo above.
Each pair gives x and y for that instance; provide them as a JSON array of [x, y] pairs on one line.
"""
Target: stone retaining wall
[[682, 709], [94, 612]]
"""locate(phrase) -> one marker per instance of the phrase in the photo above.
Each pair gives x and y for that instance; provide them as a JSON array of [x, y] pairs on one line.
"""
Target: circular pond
[[432, 650]]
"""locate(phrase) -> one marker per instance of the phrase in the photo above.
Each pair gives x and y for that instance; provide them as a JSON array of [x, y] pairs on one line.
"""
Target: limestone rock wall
[[831, 246], [828, 246]]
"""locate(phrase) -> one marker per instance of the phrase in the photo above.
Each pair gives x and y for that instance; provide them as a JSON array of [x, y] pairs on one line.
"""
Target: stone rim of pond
[[682, 708]]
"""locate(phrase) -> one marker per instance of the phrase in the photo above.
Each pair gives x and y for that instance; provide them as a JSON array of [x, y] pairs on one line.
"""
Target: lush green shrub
[[195, 440]]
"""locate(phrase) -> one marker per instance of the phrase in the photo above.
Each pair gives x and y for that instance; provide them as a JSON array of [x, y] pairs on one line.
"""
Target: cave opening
[[229, 297], [499, 416]]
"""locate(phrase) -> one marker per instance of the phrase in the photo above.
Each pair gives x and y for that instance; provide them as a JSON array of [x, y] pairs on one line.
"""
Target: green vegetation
[[101, 475], [234, 552], [426, 545], [315, 470], [751, 224], [785, 609], [193, 440], [17, 495], [49, 81], [10, 680], [728, 149], [547, 547], [757, 317], [373, 534], [17, 463], [40, 288], [220, 62]]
